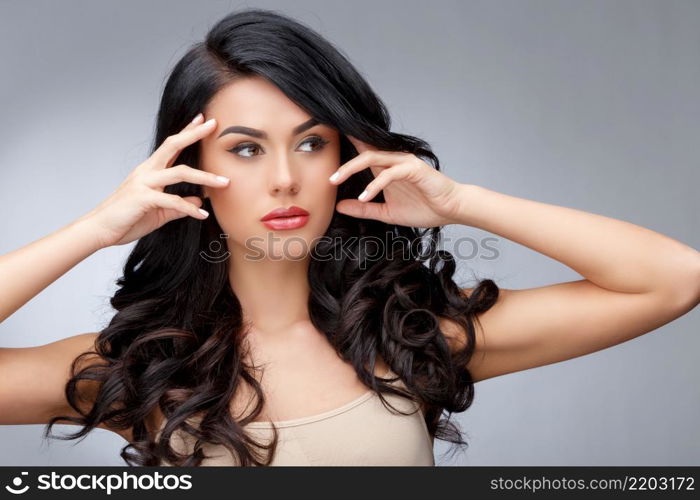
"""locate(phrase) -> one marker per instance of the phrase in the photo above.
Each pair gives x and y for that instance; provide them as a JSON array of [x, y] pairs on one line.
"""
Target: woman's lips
[[292, 222]]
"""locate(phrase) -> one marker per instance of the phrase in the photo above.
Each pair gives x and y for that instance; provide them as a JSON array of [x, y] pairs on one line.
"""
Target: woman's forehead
[[253, 101]]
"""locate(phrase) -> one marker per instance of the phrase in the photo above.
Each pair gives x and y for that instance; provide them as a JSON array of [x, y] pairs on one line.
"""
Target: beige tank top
[[361, 432]]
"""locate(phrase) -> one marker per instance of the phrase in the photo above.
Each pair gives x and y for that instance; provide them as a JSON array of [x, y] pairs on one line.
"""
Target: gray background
[[587, 104]]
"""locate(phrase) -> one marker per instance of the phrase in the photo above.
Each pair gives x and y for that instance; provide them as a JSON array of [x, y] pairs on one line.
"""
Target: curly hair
[[175, 342]]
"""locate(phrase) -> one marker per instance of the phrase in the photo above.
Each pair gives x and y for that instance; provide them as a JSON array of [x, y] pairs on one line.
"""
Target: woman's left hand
[[415, 193]]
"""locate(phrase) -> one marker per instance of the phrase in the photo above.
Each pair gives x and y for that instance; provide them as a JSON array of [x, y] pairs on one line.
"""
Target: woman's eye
[[317, 141], [244, 147]]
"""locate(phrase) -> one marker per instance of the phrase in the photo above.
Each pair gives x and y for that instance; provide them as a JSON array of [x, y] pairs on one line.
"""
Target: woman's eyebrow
[[262, 135]]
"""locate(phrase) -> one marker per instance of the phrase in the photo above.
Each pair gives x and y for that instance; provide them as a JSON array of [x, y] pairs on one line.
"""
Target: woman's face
[[271, 165]]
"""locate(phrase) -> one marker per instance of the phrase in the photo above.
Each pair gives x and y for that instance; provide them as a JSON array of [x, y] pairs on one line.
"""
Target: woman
[[305, 317]]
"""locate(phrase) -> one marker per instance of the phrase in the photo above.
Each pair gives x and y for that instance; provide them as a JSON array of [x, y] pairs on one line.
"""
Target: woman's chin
[[292, 248]]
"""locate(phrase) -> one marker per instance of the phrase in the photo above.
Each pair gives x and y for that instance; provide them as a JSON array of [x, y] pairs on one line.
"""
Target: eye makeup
[[317, 143]]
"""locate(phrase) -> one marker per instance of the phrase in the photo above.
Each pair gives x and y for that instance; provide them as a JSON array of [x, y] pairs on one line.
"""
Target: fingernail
[[222, 179], [204, 212], [197, 118], [334, 177], [210, 121], [363, 195]]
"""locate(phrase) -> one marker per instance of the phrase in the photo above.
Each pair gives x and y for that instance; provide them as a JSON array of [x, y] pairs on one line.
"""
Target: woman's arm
[[28, 270], [636, 280], [137, 207]]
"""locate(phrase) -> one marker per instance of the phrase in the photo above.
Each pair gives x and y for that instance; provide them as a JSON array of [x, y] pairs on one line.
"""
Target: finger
[[172, 214], [380, 159], [177, 203], [184, 173], [199, 118], [360, 145], [165, 155], [362, 210], [193, 199], [385, 178]]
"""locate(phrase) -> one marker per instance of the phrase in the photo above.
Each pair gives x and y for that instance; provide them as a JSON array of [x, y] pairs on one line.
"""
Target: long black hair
[[174, 343]]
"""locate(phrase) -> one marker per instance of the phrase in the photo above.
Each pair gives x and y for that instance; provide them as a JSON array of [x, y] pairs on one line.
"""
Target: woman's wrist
[[84, 232], [468, 204]]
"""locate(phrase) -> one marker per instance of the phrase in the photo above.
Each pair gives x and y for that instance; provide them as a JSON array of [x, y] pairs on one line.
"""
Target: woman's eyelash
[[319, 142], [243, 146]]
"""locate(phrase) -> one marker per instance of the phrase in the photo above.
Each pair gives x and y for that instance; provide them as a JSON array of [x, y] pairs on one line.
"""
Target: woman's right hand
[[139, 205]]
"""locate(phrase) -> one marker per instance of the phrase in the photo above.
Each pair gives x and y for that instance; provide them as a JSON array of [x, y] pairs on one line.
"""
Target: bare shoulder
[[33, 381]]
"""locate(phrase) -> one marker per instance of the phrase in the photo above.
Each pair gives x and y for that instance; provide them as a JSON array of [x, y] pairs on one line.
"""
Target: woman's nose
[[283, 177]]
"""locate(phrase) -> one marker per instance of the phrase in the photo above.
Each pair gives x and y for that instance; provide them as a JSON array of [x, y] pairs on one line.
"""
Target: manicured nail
[[334, 177], [363, 195], [197, 118], [222, 179], [210, 121], [204, 212]]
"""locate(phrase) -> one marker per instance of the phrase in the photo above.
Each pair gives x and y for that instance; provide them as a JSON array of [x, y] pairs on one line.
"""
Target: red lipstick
[[286, 218]]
